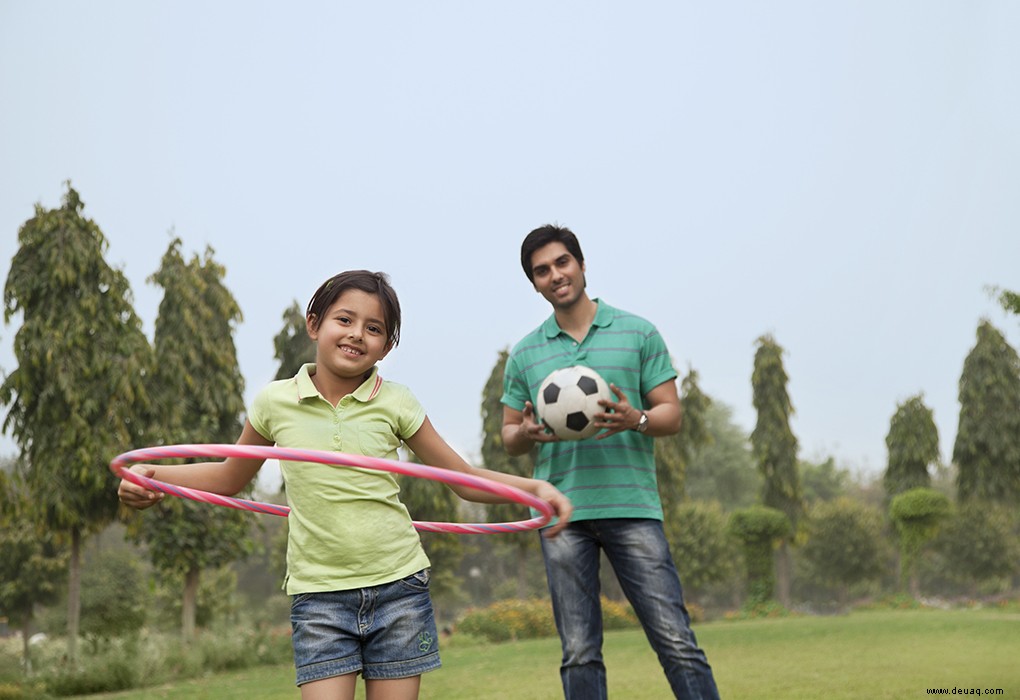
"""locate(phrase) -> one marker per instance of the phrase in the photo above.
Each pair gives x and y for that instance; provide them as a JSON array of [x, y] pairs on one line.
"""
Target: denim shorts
[[385, 631]]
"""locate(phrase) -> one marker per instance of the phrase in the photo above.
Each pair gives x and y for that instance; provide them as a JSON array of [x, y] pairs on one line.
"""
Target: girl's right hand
[[135, 496]]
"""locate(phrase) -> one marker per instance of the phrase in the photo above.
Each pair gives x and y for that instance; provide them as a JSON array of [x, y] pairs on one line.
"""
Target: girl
[[356, 570]]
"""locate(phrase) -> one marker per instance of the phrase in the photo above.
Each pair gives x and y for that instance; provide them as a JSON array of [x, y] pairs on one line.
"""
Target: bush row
[[144, 660], [515, 619]]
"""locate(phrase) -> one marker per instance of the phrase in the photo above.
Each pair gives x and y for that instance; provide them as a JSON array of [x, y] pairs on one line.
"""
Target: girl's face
[[350, 338]]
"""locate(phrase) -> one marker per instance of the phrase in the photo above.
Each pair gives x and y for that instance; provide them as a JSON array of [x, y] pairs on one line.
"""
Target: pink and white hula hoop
[[119, 466]]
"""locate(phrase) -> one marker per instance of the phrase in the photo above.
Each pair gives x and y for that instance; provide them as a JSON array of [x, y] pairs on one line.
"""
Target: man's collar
[[603, 317]]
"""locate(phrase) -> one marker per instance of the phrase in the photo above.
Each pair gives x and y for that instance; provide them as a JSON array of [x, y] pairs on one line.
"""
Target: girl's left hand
[[561, 505]]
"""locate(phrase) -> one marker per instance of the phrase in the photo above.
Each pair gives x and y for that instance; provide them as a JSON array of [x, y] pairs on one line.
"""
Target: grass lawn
[[887, 654]]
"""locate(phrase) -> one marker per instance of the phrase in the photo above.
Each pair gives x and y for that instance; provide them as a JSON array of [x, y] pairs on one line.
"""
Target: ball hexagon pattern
[[568, 400]]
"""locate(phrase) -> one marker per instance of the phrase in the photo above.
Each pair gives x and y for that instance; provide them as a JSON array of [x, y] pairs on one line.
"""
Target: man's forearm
[[515, 441]]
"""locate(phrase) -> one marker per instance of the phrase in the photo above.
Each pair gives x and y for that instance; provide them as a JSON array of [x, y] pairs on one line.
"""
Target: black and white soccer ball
[[568, 400]]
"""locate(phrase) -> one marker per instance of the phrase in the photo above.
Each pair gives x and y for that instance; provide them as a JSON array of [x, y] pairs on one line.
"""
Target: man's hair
[[369, 282], [544, 235]]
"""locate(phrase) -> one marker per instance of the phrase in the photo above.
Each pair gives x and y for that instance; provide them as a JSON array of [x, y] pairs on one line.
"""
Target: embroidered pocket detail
[[424, 641]]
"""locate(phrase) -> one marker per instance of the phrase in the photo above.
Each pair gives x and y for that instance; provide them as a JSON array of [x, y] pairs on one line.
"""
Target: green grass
[[880, 654]]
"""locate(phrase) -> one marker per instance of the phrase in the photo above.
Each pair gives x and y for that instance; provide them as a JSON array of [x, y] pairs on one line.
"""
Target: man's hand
[[533, 430], [619, 415]]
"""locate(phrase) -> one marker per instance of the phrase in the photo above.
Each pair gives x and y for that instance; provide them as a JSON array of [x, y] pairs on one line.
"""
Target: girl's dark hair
[[369, 282], [545, 235]]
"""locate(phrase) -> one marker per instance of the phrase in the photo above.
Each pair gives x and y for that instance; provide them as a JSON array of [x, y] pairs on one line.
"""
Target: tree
[[760, 529], [113, 596], [723, 470], [913, 445], [698, 540], [775, 449], [293, 346], [843, 545], [672, 453], [917, 515], [987, 449], [1010, 301], [823, 481], [33, 565], [77, 397], [198, 387], [978, 545], [494, 456]]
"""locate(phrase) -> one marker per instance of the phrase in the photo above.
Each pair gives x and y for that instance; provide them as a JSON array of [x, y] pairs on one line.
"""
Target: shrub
[[759, 529], [515, 619], [150, 659], [510, 620], [755, 610], [10, 691], [98, 676], [618, 616]]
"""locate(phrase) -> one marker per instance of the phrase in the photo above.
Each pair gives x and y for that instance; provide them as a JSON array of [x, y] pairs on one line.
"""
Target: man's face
[[558, 276]]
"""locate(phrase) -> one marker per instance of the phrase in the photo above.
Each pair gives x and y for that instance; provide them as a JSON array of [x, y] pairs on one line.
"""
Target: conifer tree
[[913, 445], [77, 396], [673, 453], [520, 545], [293, 346], [774, 447], [987, 449], [198, 388]]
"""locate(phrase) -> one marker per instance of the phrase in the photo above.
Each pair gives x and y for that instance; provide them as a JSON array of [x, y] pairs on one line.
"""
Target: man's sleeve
[[515, 387], [656, 364]]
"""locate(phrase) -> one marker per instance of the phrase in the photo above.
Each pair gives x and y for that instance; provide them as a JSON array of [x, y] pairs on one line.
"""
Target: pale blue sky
[[842, 175]]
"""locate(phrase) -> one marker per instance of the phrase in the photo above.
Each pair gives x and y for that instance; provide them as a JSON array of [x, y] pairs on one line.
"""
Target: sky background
[[842, 175]]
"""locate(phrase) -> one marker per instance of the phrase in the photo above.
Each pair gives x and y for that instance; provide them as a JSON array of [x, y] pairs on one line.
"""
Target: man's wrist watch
[[642, 424]]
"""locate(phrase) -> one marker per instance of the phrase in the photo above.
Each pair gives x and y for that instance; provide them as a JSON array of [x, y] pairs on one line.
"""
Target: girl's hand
[[135, 496], [561, 505]]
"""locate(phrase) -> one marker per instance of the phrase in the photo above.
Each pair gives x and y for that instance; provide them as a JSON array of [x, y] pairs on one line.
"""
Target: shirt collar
[[603, 317], [364, 393]]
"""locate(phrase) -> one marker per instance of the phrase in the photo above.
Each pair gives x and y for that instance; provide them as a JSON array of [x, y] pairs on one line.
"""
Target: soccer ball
[[568, 400]]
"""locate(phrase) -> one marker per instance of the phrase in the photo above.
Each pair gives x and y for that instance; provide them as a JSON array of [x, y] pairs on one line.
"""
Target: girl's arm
[[225, 478], [434, 451]]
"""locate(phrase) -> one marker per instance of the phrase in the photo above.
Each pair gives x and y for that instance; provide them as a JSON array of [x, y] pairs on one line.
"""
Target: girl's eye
[[375, 329]]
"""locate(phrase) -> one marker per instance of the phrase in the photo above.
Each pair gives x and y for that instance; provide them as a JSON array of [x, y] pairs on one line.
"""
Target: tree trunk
[[784, 566], [915, 582], [190, 603], [74, 596], [522, 570], [26, 648]]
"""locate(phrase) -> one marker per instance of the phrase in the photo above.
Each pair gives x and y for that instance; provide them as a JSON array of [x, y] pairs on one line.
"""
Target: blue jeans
[[639, 554]]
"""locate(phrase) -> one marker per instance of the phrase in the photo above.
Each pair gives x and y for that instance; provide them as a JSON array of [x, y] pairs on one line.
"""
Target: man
[[610, 479]]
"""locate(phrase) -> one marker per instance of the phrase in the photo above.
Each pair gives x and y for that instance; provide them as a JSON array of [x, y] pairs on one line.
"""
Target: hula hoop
[[119, 466]]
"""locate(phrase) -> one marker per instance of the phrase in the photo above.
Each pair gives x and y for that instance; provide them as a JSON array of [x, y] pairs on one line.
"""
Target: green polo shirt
[[614, 477], [347, 527]]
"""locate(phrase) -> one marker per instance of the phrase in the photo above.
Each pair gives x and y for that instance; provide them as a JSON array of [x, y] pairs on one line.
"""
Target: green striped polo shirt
[[614, 477]]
